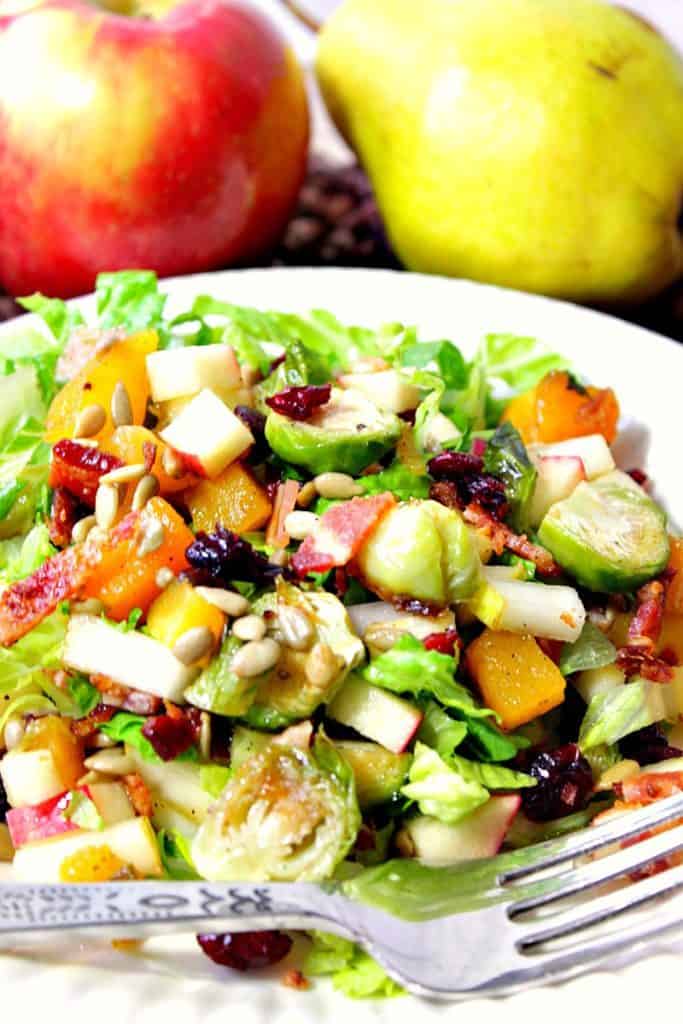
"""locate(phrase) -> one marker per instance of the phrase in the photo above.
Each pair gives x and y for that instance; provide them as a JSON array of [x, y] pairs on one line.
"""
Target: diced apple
[[376, 713], [133, 842], [30, 777], [176, 372], [177, 784], [41, 821], [165, 815], [133, 659], [388, 389], [111, 800], [557, 477], [207, 434], [480, 834], [593, 451], [553, 612]]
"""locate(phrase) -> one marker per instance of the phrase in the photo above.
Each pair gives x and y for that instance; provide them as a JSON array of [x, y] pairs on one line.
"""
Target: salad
[[285, 600]]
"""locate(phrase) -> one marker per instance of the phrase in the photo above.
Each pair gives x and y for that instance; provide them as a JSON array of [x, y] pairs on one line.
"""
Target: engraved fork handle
[[142, 909]]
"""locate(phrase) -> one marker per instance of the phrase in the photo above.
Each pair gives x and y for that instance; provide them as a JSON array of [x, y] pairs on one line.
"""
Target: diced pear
[[376, 713], [176, 372]]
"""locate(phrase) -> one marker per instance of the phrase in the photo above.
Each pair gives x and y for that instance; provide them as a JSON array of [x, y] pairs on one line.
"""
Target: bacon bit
[[501, 537], [61, 578], [139, 703], [149, 454], [88, 726], [295, 979], [638, 656], [139, 794], [62, 517], [340, 533], [649, 786], [284, 503], [622, 807]]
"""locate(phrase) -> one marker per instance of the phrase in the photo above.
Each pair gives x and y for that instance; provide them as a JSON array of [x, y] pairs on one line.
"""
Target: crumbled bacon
[[149, 454], [340, 533], [139, 794], [88, 726], [27, 602], [63, 516], [637, 656], [116, 695], [501, 537], [649, 786]]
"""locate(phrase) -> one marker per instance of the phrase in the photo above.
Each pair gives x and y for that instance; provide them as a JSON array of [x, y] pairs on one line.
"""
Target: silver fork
[[491, 941]]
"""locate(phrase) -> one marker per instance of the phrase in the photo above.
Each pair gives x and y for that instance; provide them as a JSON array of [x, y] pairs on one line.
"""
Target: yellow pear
[[536, 144]]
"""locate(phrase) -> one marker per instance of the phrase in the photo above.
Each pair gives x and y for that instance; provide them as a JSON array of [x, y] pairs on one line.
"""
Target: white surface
[[172, 981]]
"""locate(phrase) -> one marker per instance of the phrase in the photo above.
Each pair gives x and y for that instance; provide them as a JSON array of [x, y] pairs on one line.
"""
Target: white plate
[[171, 981]]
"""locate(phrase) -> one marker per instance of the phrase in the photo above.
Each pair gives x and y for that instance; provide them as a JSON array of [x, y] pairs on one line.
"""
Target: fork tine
[[604, 907], [607, 869], [557, 851]]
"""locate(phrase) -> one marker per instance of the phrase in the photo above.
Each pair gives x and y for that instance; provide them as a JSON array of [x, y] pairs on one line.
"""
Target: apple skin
[[176, 144]]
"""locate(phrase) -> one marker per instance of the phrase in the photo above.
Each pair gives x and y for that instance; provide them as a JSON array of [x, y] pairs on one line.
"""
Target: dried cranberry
[[255, 422], [648, 746], [63, 516], [246, 951], [4, 802], [220, 557], [300, 403], [78, 468], [489, 492], [169, 736], [443, 643], [454, 464], [564, 782], [639, 476]]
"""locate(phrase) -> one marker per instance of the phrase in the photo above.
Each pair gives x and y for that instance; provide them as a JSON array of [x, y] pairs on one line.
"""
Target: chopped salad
[[282, 599]]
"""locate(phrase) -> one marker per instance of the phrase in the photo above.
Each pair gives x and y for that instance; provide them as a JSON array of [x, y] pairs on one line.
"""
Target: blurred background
[[334, 219]]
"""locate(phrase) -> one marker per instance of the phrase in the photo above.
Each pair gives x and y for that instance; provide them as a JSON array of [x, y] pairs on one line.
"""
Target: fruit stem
[[303, 17]]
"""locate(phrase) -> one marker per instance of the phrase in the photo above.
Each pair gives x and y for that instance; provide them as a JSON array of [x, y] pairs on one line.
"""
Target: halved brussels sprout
[[218, 689], [346, 435], [292, 689], [423, 550], [286, 815], [608, 534]]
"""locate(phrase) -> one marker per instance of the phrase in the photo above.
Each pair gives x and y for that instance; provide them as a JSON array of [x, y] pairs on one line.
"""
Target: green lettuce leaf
[[506, 457], [439, 787], [401, 481], [517, 361], [592, 650], [85, 696], [492, 776], [127, 728], [441, 732], [35, 549], [353, 971], [214, 777], [130, 299], [487, 743], [61, 318], [618, 712], [409, 668], [174, 850], [441, 357]]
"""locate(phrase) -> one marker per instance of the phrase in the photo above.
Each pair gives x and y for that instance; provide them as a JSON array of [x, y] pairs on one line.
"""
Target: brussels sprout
[[379, 773], [423, 550], [286, 815], [218, 689], [346, 435], [608, 534], [291, 690]]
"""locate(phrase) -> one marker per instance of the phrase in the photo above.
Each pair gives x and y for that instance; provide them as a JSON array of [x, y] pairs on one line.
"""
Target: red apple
[[41, 821], [175, 143]]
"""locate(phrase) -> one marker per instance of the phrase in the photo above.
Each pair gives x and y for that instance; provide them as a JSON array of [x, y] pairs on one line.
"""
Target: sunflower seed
[[92, 779], [337, 486], [307, 495], [114, 761], [90, 421], [193, 645], [147, 488], [106, 505], [124, 474], [294, 628], [205, 735], [82, 528], [93, 606], [228, 601], [256, 657], [172, 464], [151, 539], [14, 733], [300, 524], [249, 627], [87, 442], [101, 741], [164, 577], [121, 409], [322, 665]]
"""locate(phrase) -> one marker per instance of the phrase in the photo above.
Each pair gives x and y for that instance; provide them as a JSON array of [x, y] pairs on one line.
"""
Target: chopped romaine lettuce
[[441, 732], [353, 971], [439, 787], [592, 650], [131, 299], [618, 712], [174, 850], [85, 696], [492, 776], [82, 812], [35, 549], [60, 317], [399, 479], [214, 777], [127, 728]]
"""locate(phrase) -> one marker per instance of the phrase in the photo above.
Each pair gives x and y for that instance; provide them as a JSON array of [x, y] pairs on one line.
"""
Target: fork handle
[[142, 909]]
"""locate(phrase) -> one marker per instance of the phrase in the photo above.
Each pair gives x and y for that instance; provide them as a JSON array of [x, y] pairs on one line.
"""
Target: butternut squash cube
[[179, 608], [233, 499]]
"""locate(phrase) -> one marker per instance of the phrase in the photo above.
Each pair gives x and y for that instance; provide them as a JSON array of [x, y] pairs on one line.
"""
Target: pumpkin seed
[[256, 657], [106, 505], [249, 627], [193, 645], [124, 474], [90, 421], [228, 601], [337, 486], [300, 524], [82, 528], [121, 409], [147, 488]]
